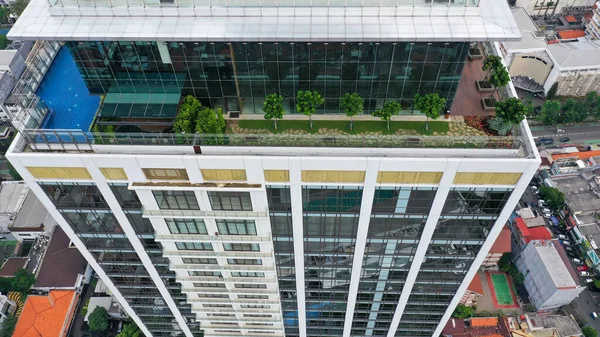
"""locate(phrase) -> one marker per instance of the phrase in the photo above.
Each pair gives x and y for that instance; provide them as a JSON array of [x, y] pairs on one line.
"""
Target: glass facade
[[86, 211], [237, 76]]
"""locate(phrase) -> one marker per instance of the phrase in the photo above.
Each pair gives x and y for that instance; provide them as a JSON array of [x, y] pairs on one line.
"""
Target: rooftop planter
[[475, 53], [485, 86]]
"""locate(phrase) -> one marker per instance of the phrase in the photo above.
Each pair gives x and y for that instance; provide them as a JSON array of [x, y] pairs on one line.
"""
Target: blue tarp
[[554, 220]]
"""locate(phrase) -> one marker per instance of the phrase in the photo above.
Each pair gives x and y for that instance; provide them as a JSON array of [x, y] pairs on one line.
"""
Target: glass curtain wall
[[280, 212], [88, 214], [238, 75], [330, 225], [466, 220], [397, 220]]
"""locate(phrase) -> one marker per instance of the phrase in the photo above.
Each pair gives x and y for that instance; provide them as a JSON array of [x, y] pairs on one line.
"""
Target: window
[[75, 195], [186, 226], [213, 295], [127, 198], [242, 247], [249, 285], [256, 306], [224, 323], [236, 227], [230, 201], [245, 261], [176, 200], [189, 260], [221, 315], [260, 297], [217, 306], [209, 285], [256, 315], [260, 324], [247, 274], [204, 273], [165, 174], [194, 245]]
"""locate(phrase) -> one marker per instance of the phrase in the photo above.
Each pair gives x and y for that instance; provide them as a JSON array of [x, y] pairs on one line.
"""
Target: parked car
[[573, 255], [568, 249], [582, 268], [547, 215], [589, 280], [577, 261], [566, 242], [565, 139], [594, 315], [562, 237], [541, 202], [534, 188], [546, 210], [584, 273]]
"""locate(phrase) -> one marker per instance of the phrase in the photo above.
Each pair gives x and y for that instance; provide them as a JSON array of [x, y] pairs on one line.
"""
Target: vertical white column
[[135, 241], [298, 233], [432, 220], [511, 203], [45, 200], [361, 239]]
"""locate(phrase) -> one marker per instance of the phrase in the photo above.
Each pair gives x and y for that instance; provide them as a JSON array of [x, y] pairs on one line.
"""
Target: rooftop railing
[[77, 140]]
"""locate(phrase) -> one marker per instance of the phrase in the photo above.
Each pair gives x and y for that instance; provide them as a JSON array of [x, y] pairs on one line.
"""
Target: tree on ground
[[390, 108], [505, 260], [273, 108], [592, 100], [3, 41], [552, 91], [22, 281], [4, 15], [18, 6], [98, 319], [574, 111], [353, 105], [511, 110], [462, 311], [588, 331], [431, 105], [555, 199], [550, 113], [307, 103], [130, 330], [8, 326]]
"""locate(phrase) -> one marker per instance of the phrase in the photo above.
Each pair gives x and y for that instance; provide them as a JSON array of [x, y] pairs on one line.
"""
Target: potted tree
[[307, 103], [491, 64], [431, 105], [353, 105], [497, 79], [512, 110], [475, 52], [390, 108], [273, 108]]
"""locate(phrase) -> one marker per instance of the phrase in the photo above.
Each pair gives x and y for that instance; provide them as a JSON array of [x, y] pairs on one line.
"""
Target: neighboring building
[[273, 235], [593, 25], [474, 291], [63, 266], [501, 246], [574, 163], [476, 327], [7, 307], [106, 302], [12, 66], [32, 221], [544, 7], [523, 234], [574, 68], [47, 315], [527, 325], [550, 278], [582, 192], [565, 326], [11, 265], [12, 196]]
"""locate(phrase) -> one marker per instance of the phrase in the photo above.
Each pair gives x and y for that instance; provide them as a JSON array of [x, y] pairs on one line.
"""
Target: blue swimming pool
[[64, 92]]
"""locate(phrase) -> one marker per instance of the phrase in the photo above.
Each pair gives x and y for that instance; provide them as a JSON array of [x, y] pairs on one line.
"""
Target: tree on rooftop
[[353, 105], [273, 108], [98, 319], [490, 64], [390, 108], [511, 110], [130, 330], [307, 103], [588, 331], [555, 199], [185, 121], [22, 281], [431, 105], [498, 78]]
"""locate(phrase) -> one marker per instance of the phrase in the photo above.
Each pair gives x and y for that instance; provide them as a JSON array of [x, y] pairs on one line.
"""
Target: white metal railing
[[220, 238], [209, 254], [235, 267], [245, 291], [245, 280]]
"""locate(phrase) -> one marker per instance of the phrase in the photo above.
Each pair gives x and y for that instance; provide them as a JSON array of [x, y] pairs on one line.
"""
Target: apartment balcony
[[211, 254], [196, 214], [243, 291], [245, 280], [209, 238], [235, 268], [234, 311], [229, 300]]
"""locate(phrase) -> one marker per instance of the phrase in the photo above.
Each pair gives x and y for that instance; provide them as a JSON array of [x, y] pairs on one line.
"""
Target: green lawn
[[343, 126]]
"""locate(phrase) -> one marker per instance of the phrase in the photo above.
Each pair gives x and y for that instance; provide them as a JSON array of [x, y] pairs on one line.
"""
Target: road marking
[[570, 134]]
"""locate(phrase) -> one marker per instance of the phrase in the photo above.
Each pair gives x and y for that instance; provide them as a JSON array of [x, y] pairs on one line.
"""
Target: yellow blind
[[486, 178], [165, 174], [223, 175], [113, 173], [324, 176], [43, 172], [406, 177], [279, 176]]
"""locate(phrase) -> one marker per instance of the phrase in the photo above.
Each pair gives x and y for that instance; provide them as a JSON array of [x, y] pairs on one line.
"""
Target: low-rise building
[[474, 291], [47, 315], [522, 234], [32, 221], [582, 192], [544, 7], [550, 278], [501, 246]]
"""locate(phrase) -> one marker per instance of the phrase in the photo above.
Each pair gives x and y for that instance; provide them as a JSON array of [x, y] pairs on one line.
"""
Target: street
[[583, 305], [580, 134]]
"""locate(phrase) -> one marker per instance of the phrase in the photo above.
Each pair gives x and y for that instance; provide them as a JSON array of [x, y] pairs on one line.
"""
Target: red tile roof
[[503, 242], [580, 155], [532, 233], [522, 227], [476, 286], [571, 34], [484, 321], [570, 18], [47, 316]]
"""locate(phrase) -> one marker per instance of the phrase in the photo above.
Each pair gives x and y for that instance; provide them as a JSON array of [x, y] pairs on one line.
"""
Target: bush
[[588, 331], [462, 311], [130, 330], [552, 91], [497, 124], [8, 326], [98, 320]]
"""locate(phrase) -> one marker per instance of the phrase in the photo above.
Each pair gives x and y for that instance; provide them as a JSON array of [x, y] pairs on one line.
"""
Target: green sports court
[[502, 292]]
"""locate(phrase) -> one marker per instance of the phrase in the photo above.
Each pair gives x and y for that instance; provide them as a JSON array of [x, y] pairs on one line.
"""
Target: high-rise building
[[270, 235]]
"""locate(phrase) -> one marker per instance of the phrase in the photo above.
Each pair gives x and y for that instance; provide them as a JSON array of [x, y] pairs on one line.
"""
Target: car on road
[[547, 141], [582, 268], [564, 139], [594, 315], [584, 273]]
